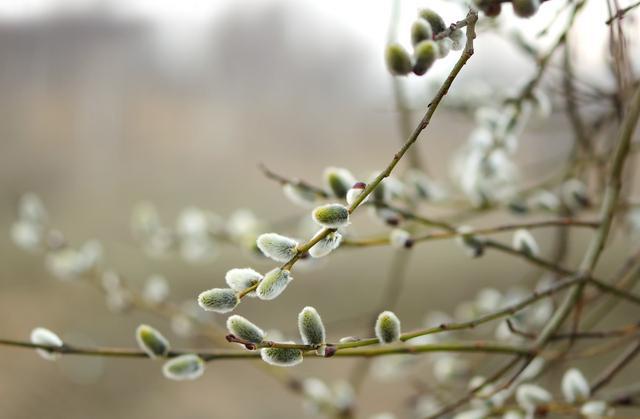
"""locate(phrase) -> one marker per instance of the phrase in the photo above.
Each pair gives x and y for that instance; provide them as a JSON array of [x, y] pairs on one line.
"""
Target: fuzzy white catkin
[[387, 327], [220, 300], [575, 387], [596, 409], [183, 367], [273, 284], [240, 279], [331, 215], [151, 341], [399, 238], [529, 396], [326, 245], [299, 195], [338, 181], [311, 327], [524, 242], [42, 336], [156, 290], [244, 329], [281, 357], [355, 191], [277, 247]]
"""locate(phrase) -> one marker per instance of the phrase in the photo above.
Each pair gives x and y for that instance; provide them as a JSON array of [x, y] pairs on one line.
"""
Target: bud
[[471, 244], [156, 290], [183, 367], [434, 19], [281, 357], [220, 300], [387, 327], [400, 239], [459, 39], [42, 336], [397, 59], [331, 215], [529, 396], [524, 242], [27, 235], [151, 341], [328, 243], [596, 409], [490, 8], [425, 54], [338, 181], [239, 279], [544, 200], [575, 387], [274, 282], [575, 195], [277, 247], [355, 191], [299, 195], [244, 329], [525, 8], [311, 327], [420, 31], [443, 47]]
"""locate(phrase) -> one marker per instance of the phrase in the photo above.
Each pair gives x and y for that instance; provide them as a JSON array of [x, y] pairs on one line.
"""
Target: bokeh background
[[106, 103]]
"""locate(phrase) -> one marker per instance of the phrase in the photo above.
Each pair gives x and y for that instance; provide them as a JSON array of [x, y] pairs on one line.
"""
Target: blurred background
[[107, 103]]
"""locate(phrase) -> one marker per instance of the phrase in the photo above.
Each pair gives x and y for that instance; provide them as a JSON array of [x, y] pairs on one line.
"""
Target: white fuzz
[[575, 387], [151, 341], [220, 300], [299, 195], [42, 336], [273, 284], [311, 327], [156, 290], [183, 367], [575, 194], [355, 191], [529, 396], [239, 279], [326, 245], [444, 47], [331, 215], [596, 409], [400, 239], [27, 235], [524, 242], [544, 200], [387, 327], [471, 244], [277, 247], [244, 329], [31, 209], [281, 357], [338, 181]]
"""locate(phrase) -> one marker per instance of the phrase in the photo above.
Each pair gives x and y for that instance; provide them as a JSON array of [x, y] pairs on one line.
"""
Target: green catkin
[[273, 284], [244, 329], [151, 341], [281, 357], [331, 215], [220, 300], [311, 327], [183, 367], [398, 62], [387, 327], [420, 31], [525, 8], [277, 247], [425, 55], [434, 19], [338, 181]]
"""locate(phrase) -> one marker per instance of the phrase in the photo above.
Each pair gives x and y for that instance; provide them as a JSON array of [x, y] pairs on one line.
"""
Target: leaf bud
[[425, 53], [331, 215], [151, 341], [420, 31], [183, 367], [281, 357], [273, 284], [338, 181], [244, 329], [387, 327], [220, 300], [311, 327], [277, 247], [239, 279], [434, 19], [397, 59]]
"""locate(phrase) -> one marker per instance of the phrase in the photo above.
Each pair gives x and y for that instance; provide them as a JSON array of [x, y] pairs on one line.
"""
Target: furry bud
[[596, 409], [277, 247], [355, 191], [434, 19], [524, 242], [325, 246], [273, 284], [338, 181], [331, 215], [42, 336], [443, 47], [525, 8], [239, 279], [425, 54], [397, 59], [310, 326], [220, 300], [420, 31], [471, 244], [299, 195], [575, 195], [459, 39], [400, 239], [575, 387], [183, 367], [151, 341], [387, 327], [529, 396], [281, 357], [244, 329]]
